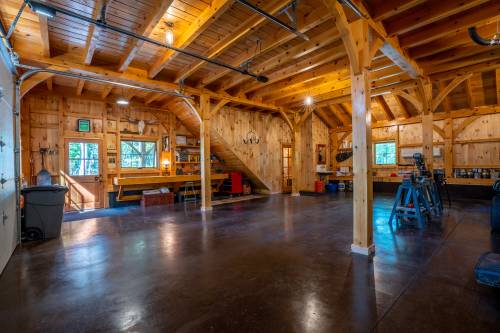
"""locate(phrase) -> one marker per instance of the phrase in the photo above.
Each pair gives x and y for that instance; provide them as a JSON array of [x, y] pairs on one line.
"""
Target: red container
[[319, 186]]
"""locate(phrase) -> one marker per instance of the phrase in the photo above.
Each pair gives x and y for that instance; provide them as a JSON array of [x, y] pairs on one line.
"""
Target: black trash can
[[43, 211]]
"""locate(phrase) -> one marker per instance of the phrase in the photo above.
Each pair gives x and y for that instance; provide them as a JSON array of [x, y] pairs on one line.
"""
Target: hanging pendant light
[[122, 100], [169, 34]]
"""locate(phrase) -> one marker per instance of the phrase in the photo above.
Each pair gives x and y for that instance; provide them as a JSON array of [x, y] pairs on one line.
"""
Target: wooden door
[[83, 174], [286, 162]]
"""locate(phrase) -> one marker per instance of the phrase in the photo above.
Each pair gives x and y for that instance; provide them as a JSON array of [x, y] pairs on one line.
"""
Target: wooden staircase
[[218, 145]]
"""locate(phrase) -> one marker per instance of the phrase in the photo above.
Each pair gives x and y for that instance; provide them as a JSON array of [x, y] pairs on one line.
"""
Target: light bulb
[[122, 101], [308, 101], [169, 37]]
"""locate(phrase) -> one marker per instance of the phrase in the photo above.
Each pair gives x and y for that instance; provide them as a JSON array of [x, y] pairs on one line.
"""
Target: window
[[138, 154], [83, 159], [385, 153]]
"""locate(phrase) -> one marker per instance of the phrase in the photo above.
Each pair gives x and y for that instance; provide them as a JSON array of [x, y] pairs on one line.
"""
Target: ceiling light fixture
[[122, 101], [308, 101], [169, 34]]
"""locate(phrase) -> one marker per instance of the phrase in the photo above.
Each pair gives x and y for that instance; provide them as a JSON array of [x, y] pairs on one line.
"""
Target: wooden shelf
[[187, 146]]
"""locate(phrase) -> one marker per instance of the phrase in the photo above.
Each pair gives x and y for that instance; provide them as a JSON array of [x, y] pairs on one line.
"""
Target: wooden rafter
[[426, 13], [454, 23], [106, 91], [67, 63], [44, 35], [384, 9], [79, 87], [209, 15], [290, 53], [402, 106], [412, 99], [150, 23], [384, 107], [93, 34], [339, 112], [329, 121], [244, 29]]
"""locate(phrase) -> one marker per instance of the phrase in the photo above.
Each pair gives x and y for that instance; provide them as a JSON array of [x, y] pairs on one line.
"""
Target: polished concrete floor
[[277, 264]]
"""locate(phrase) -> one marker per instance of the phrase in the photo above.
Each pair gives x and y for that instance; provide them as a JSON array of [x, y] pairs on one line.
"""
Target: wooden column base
[[367, 251]]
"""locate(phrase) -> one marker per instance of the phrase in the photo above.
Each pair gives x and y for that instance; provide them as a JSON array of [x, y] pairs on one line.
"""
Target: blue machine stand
[[417, 198]]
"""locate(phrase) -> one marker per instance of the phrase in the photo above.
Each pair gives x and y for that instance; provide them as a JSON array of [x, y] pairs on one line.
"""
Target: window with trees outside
[[138, 154], [83, 159], [385, 153]]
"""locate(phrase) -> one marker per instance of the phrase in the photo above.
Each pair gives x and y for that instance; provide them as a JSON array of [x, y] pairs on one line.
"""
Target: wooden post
[[362, 144], [296, 156], [206, 181], [333, 149], [427, 137], [448, 147]]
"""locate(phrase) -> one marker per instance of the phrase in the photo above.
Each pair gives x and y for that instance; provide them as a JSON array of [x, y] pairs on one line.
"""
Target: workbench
[[450, 181], [152, 182]]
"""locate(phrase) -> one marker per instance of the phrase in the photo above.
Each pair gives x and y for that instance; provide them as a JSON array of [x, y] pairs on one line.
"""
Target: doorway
[[286, 162], [83, 174]]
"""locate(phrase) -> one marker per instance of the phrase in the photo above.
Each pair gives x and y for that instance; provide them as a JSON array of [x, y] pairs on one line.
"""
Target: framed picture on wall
[[181, 140]]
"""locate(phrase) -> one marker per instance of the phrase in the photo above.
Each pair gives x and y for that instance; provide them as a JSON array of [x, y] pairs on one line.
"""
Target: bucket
[[319, 186], [331, 187]]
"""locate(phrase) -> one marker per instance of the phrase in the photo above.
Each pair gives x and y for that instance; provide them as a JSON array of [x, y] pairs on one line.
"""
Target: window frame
[[155, 167], [375, 164], [84, 159]]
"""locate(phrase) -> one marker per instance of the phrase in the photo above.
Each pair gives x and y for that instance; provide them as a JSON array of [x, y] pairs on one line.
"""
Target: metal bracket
[[1, 92], [2, 181], [4, 217], [2, 144]]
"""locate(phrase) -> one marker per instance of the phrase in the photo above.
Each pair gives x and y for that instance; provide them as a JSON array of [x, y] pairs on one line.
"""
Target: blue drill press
[[417, 198]]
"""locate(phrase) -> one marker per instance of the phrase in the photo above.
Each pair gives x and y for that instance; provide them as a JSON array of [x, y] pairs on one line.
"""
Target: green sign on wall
[[83, 125]]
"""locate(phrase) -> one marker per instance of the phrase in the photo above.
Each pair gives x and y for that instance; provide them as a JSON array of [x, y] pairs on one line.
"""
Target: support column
[[427, 140], [362, 165], [206, 177], [296, 160], [448, 147]]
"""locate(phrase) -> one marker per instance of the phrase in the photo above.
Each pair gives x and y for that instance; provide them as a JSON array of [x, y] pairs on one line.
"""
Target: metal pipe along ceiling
[[33, 70], [52, 10]]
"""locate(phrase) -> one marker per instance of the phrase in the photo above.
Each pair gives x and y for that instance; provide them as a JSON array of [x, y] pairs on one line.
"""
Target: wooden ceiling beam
[[44, 35], [384, 107], [93, 33], [33, 81], [475, 68], [391, 47], [79, 87], [486, 55], [427, 13], [67, 62], [106, 91], [305, 22], [316, 73], [159, 9], [207, 17], [326, 56], [384, 9], [450, 42], [454, 23], [339, 112], [243, 30], [331, 123], [402, 107]]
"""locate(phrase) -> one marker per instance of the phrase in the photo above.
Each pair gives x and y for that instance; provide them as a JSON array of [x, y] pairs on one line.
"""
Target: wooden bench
[[153, 182]]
